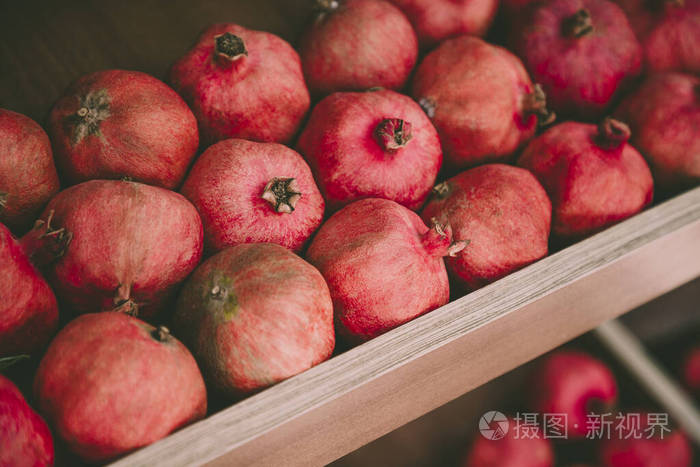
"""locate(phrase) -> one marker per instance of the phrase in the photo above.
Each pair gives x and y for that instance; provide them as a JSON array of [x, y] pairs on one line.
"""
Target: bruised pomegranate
[[116, 124], [502, 212], [664, 115], [592, 175], [25, 440], [376, 144], [509, 448], [249, 192], [27, 173], [111, 383], [254, 315], [131, 245], [383, 266], [480, 99], [28, 310], [437, 20], [583, 52], [242, 83], [353, 45]]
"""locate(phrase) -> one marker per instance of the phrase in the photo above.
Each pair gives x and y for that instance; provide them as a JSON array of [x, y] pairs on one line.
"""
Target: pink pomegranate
[[592, 175], [25, 440], [353, 45], [503, 214], [249, 192], [111, 383], [574, 384], [383, 266], [583, 52], [255, 315], [28, 310], [480, 99], [131, 246], [375, 144], [437, 20], [664, 115], [116, 124], [27, 173], [242, 83]]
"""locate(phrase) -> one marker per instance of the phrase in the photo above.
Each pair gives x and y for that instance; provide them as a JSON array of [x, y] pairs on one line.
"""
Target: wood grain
[[366, 392]]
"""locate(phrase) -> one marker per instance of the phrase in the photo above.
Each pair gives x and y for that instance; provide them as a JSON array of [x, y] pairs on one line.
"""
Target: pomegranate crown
[[45, 244], [229, 46], [438, 240], [612, 133], [393, 134], [282, 194]]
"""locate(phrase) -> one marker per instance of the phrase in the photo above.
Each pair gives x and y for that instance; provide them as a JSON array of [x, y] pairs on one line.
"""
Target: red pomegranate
[[592, 175], [27, 174], [111, 383], [503, 214], [375, 144], [383, 266], [249, 192], [514, 448], [131, 245], [353, 45], [25, 440], [242, 83], [573, 384], [583, 52], [664, 115], [255, 315], [480, 99], [437, 20], [116, 124], [28, 310]]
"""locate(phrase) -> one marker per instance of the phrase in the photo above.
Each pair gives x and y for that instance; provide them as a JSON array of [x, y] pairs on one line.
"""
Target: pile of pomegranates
[[162, 228]]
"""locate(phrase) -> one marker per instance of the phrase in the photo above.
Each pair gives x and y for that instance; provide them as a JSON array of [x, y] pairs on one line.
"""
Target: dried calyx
[[123, 302], [282, 194], [579, 24], [44, 244], [535, 103], [441, 190], [94, 108], [612, 133], [326, 6], [393, 133], [438, 240], [161, 334], [428, 105], [229, 47]]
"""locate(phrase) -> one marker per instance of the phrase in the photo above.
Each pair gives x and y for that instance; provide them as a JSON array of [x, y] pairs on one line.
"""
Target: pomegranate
[[353, 45], [504, 215], [28, 310], [249, 192], [131, 245], [255, 315], [592, 175], [509, 448], [480, 99], [636, 443], [437, 20], [116, 124], [242, 83], [111, 383], [576, 385], [664, 115], [25, 440], [376, 144], [27, 173], [583, 52], [390, 271], [691, 370]]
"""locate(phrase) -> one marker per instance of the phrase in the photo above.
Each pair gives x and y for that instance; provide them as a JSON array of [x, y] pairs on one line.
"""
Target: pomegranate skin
[[479, 98], [593, 179], [572, 383], [664, 115], [511, 451], [115, 124], [691, 370], [391, 272], [502, 212], [242, 83], [25, 440], [583, 52], [28, 310], [255, 315], [28, 176], [111, 383], [353, 45], [229, 185], [376, 144], [437, 20], [131, 246]]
